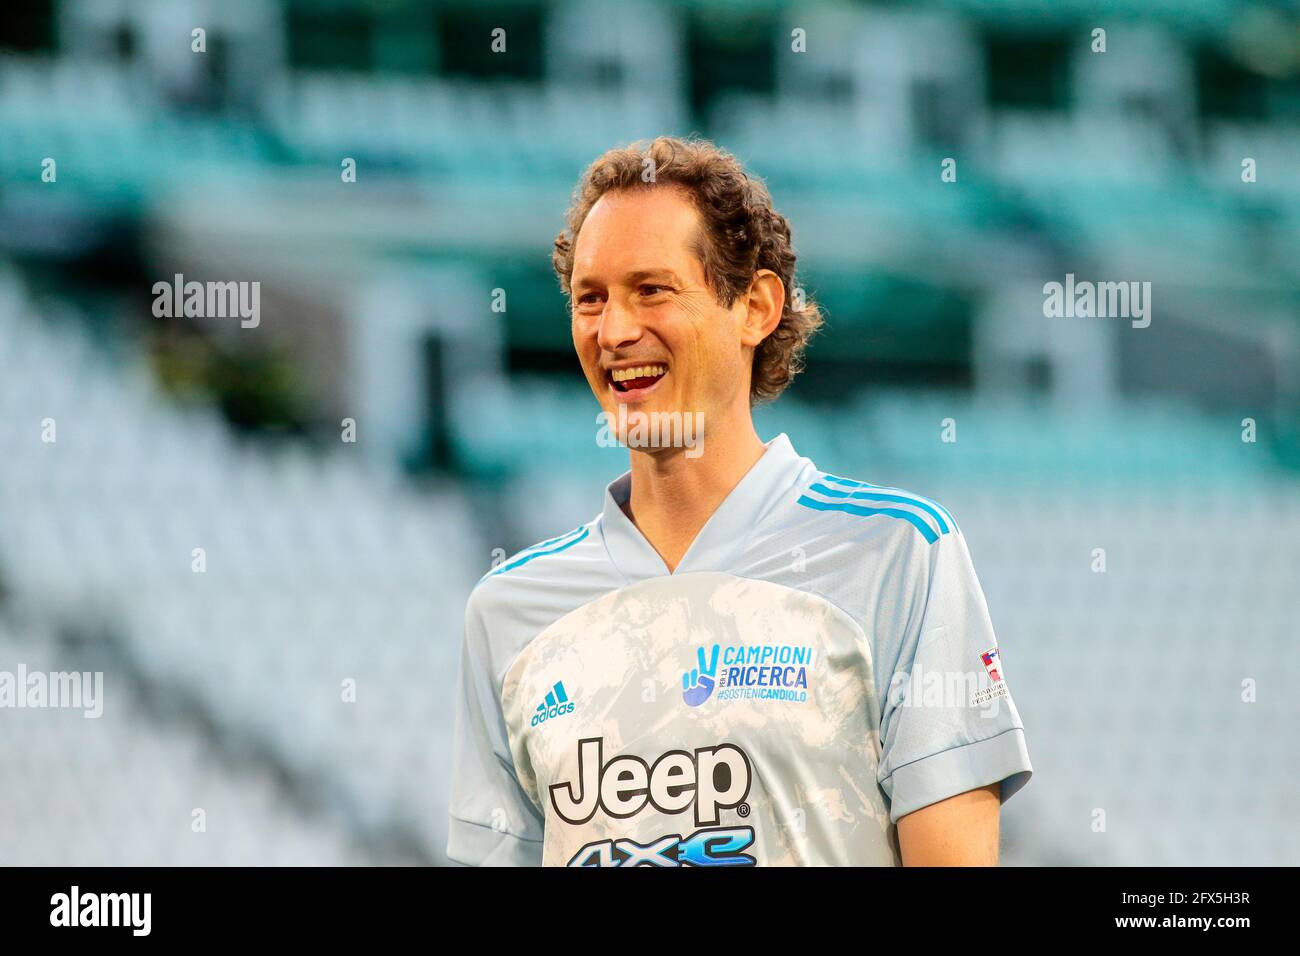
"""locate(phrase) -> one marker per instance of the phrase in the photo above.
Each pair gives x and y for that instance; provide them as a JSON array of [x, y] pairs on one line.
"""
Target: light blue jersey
[[820, 664]]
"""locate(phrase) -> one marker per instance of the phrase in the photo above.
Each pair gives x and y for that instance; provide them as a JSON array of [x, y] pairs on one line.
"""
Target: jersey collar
[[723, 536]]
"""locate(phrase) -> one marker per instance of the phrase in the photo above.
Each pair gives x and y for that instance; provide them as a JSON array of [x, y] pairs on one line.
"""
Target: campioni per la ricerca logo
[[768, 672]]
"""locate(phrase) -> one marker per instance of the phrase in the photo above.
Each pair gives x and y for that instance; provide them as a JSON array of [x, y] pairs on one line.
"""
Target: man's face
[[646, 325]]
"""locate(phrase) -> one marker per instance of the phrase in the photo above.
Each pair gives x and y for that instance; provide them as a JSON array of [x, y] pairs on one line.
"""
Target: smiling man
[[742, 659]]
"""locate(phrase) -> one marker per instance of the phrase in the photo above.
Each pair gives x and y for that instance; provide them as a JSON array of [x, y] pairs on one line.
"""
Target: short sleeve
[[493, 823], [948, 723]]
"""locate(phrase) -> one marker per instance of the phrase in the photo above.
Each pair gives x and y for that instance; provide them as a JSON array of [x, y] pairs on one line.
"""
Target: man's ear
[[764, 303]]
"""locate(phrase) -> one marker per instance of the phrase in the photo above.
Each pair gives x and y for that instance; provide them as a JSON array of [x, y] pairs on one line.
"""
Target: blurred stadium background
[[330, 561]]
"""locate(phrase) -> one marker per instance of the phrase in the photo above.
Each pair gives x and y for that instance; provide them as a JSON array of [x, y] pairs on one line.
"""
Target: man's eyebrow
[[635, 277], [642, 275]]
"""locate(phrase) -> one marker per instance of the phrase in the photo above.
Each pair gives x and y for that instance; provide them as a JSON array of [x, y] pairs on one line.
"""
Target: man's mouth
[[637, 377]]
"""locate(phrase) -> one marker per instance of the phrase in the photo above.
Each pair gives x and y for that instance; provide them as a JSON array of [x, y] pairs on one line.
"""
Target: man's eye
[[653, 289], [590, 298]]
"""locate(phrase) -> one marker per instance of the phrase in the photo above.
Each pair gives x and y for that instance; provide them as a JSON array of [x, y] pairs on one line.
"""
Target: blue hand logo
[[698, 682]]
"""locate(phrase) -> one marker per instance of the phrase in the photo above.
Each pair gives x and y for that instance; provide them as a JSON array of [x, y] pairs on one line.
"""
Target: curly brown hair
[[742, 234]]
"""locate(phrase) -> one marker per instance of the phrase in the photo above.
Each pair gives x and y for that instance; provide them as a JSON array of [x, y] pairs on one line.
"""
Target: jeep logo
[[713, 778]]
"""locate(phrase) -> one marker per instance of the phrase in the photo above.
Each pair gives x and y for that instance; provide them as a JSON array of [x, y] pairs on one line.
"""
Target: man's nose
[[619, 326]]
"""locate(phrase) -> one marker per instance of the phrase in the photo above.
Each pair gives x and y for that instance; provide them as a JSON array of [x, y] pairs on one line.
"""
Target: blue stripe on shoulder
[[538, 550], [544, 544], [849, 482], [881, 496], [913, 519]]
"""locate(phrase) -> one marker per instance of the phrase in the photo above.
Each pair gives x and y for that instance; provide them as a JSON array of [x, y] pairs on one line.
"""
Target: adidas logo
[[556, 704]]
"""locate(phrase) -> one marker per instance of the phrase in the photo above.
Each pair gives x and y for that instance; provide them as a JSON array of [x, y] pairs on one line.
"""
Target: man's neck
[[672, 496]]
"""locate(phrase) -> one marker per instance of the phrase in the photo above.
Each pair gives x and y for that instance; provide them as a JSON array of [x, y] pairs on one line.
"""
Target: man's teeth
[[641, 371]]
